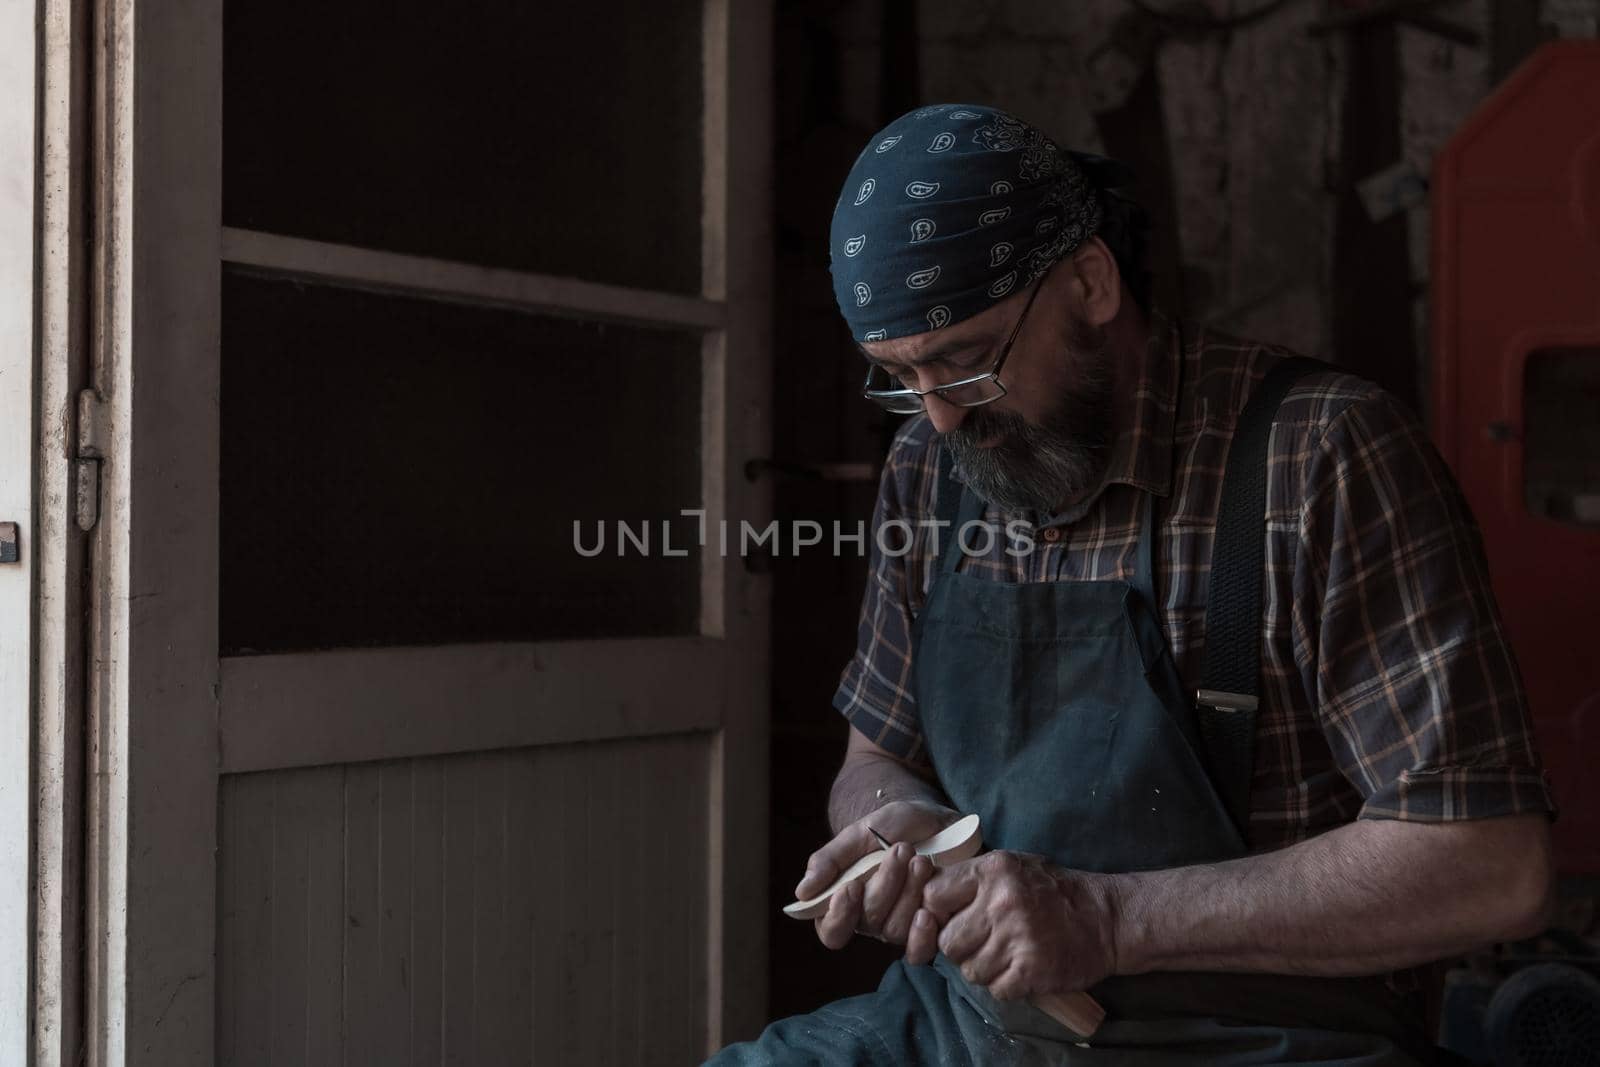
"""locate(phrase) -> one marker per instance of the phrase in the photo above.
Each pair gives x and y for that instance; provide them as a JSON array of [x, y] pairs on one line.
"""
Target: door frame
[[152, 804], [19, 34], [61, 512], [168, 716]]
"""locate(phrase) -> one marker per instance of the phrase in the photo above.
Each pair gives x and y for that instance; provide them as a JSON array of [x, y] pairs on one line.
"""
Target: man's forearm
[[1372, 896], [867, 781]]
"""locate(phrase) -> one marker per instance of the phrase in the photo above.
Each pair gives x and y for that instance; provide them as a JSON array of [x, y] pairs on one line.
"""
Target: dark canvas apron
[[1054, 711]]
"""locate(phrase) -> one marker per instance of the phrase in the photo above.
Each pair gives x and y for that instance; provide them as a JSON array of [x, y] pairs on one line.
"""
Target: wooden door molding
[[58, 543], [153, 706], [316, 708], [738, 258]]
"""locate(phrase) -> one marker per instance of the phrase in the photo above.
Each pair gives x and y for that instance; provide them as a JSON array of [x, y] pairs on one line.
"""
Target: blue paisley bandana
[[949, 210]]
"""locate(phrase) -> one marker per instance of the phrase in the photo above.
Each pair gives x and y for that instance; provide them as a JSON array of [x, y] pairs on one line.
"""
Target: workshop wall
[[1271, 129]]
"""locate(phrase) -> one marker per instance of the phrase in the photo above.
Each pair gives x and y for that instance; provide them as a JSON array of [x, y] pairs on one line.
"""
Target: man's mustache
[[982, 424]]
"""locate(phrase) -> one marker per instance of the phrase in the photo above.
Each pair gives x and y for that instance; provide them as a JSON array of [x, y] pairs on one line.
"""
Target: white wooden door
[[387, 772]]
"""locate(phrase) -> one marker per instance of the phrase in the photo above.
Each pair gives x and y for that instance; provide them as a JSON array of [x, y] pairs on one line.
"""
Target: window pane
[[562, 141], [1561, 435], [400, 471]]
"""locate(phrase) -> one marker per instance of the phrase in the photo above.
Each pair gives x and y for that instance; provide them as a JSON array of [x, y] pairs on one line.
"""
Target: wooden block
[[1078, 1012]]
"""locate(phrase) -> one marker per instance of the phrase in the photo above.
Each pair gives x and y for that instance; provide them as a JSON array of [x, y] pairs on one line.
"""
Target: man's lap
[[915, 1016], [919, 1016]]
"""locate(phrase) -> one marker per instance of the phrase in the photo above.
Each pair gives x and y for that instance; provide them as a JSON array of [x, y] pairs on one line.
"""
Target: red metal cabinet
[[1516, 392]]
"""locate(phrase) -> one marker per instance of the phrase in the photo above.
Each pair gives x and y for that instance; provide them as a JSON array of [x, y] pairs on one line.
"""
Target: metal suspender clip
[[1214, 698]]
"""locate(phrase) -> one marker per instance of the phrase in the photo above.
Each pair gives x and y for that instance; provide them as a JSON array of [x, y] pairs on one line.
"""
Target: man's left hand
[[1018, 925]]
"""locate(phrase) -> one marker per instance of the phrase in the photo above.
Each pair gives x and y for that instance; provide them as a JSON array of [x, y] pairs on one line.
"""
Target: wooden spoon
[[956, 842]]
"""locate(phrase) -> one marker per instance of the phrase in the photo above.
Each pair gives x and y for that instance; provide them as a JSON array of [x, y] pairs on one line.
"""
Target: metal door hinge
[[93, 439]]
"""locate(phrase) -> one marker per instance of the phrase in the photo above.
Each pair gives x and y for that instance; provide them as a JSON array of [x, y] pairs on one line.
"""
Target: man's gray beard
[[1040, 466]]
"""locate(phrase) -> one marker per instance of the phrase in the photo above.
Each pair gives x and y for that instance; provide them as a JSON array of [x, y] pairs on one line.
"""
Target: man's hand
[[1018, 925], [883, 904]]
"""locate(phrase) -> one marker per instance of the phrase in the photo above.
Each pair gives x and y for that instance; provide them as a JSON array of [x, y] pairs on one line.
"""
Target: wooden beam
[[1372, 292], [1514, 32]]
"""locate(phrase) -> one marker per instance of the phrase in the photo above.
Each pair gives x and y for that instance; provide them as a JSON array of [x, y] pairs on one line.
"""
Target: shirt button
[[1052, 534]]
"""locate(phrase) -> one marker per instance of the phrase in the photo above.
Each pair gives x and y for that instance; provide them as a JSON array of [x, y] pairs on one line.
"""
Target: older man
[[1201, 631]]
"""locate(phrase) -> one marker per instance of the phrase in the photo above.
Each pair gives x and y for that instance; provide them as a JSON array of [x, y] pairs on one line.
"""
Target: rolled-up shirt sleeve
[[876, 693], [1416, 686]]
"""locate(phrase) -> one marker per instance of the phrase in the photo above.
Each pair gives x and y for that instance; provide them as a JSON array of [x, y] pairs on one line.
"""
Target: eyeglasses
[[966, 393]]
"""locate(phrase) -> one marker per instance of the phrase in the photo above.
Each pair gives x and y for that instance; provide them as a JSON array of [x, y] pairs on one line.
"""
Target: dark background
[[1252, 126]]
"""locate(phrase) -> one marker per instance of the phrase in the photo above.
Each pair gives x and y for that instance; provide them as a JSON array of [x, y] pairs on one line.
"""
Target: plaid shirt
[[1388, 688]]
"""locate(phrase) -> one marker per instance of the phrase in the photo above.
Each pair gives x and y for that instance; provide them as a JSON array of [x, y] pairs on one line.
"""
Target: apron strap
[[1228, 696]]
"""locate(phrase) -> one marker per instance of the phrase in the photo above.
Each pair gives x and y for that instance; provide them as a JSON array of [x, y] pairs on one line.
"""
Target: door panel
[[540, 905]]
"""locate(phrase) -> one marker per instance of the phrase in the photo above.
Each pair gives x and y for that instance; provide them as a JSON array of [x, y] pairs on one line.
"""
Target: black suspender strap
[[1226, 702], [949, 510]]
